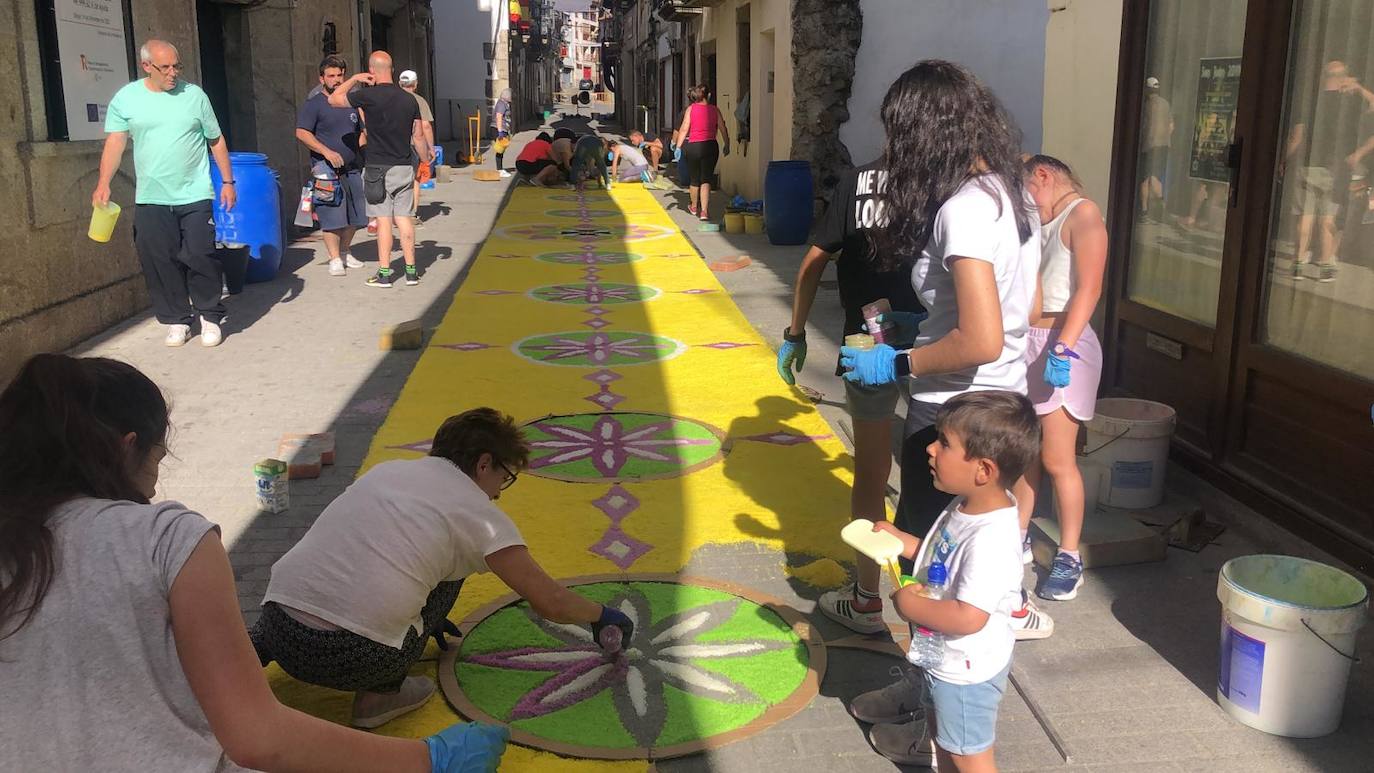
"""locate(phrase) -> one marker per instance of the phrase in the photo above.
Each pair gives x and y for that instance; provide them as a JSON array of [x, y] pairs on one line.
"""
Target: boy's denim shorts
[[965, 714]]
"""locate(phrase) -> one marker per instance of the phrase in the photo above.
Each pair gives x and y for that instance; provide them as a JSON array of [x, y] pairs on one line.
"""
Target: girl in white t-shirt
[[1064, 358], [121, 641], [955, 200]]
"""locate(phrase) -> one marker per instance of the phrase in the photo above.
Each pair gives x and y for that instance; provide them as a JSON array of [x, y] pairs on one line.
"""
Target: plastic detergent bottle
[[927, 646]]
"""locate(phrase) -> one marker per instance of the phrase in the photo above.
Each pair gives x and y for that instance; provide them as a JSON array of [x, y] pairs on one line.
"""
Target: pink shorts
[[1079, 398]]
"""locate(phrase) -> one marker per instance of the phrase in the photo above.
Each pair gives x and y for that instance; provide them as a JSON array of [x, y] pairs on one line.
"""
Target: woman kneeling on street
[[353, 604]]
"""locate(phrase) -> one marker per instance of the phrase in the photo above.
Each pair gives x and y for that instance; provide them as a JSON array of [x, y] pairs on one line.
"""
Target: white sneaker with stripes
[[1029, 622], [838, 605]]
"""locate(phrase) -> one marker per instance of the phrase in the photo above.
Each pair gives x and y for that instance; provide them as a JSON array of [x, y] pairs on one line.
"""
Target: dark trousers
[[176, 247], [920, 502], [343, 660]]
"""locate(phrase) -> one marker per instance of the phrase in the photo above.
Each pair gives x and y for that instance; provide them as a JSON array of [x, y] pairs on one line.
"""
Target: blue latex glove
[[908, 326], [473, 747], [677, 154], [870, 367], [1056, 370], [613, 631], [792, 350]]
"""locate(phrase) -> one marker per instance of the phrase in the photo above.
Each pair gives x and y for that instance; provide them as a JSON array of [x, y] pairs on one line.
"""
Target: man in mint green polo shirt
[[170, 122]]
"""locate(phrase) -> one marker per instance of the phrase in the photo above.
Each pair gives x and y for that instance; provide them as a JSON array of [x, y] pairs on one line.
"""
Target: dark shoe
[[380, 280], [1326, 272], [412, 278]]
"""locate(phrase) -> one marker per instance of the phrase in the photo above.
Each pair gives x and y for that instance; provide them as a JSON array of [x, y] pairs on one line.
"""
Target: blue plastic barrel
[[787, 202], [255, 219]]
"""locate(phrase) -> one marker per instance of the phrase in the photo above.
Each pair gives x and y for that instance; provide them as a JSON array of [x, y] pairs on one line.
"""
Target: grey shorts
[[1315, 193], [400, 194], [866, 403]]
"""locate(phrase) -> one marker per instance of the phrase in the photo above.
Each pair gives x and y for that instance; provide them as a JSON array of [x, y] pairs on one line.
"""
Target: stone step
[[1110, 538]]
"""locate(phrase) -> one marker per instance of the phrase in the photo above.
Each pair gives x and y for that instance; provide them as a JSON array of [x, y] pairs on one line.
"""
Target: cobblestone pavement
[[1125, 683]]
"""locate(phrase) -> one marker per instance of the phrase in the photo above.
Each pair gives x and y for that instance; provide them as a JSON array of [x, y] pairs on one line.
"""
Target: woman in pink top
[[700, 151]]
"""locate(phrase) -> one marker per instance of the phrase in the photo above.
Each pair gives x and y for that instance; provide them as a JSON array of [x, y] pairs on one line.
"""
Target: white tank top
[[1056, 264]]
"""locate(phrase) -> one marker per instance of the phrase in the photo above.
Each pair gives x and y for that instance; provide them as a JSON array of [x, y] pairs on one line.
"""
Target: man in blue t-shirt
[[334, 136], [170, 122]]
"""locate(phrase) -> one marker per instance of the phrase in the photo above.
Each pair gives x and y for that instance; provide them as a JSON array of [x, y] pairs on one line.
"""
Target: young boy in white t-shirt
[[986, 440]]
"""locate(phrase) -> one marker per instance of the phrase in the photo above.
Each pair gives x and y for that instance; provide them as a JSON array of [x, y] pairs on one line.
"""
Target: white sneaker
[[838, 605], [177, 335], [1029, 623], [351, 261], [505, 174], [210, 334], [336, 267]]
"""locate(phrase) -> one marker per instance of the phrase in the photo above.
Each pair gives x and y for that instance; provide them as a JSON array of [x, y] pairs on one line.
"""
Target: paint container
[[272, 485], [862, 341], [871, 313]]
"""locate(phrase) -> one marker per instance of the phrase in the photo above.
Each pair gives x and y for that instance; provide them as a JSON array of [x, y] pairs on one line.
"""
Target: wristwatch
[[1061, 350]]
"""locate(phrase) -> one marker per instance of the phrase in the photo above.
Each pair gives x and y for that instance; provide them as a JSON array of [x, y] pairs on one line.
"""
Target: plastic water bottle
[[927, 646]]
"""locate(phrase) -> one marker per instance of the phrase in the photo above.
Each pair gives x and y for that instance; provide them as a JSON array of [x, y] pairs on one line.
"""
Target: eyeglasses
[[510, 476], [166, 68]]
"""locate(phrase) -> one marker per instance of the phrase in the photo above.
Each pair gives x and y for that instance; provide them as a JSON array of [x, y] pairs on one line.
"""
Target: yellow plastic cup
[[103, 221]]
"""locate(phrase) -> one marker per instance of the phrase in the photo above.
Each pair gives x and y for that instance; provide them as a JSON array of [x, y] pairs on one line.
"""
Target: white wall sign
[[95, 61]]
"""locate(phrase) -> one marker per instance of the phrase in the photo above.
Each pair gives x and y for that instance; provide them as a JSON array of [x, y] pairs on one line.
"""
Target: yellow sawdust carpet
[[659, 421]]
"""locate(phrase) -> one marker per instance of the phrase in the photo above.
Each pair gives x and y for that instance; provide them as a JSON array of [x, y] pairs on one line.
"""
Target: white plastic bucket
[[1129, 440], [1091, 472], [1288, 628]]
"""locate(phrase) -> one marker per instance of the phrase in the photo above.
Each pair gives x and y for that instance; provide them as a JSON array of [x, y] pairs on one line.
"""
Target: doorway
[[1242, 263], [762, 128]]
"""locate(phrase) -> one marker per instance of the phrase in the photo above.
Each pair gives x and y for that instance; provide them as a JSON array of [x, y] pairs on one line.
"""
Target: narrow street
[[1125, 683]]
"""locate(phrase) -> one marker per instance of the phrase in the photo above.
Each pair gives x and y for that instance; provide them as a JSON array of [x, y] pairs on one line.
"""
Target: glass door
[[1303, 382], [1174, 212]]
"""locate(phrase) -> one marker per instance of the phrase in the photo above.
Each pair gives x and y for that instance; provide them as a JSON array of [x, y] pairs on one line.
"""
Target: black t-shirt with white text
[[391, 116], [857, 207]]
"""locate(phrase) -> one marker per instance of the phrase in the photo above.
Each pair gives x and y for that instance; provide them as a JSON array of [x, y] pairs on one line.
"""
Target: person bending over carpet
[[121, 642], [352, 605]]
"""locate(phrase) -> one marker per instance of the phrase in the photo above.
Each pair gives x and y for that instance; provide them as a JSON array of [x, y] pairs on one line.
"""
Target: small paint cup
[[103, 221], [859, 341]]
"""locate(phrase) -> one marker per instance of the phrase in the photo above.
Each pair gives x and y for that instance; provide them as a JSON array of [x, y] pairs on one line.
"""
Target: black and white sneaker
[[1029, 623], [380, 280], [838, 605], [412, 278]]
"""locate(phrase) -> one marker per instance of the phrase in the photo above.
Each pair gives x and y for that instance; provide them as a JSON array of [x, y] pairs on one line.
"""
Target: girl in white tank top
[[1063, 356]]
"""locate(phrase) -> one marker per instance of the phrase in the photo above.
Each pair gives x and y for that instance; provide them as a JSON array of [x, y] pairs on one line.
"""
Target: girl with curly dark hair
[[956, 212]]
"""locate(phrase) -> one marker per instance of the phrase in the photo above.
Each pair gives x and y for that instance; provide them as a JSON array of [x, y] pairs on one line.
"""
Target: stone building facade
[[257, 61]]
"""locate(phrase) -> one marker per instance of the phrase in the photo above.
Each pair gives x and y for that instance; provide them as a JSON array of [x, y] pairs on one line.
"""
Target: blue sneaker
[[1066, 577]]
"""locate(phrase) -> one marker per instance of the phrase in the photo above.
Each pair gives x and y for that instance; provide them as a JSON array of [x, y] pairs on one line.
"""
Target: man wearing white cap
[[1154, 153], [409, 81]]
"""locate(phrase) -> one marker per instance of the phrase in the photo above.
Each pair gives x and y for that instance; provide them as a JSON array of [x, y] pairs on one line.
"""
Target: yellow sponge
[[407, 335]]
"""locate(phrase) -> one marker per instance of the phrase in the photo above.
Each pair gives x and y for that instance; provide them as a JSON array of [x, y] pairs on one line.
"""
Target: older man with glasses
[[353, 604], [170, 122]]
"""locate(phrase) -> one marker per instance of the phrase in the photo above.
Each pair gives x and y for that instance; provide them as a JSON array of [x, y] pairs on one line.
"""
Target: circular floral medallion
[[583, 214], [590, 232], [707, 664], [594, 293], [594, 350], [589, 257], [616, 446]]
